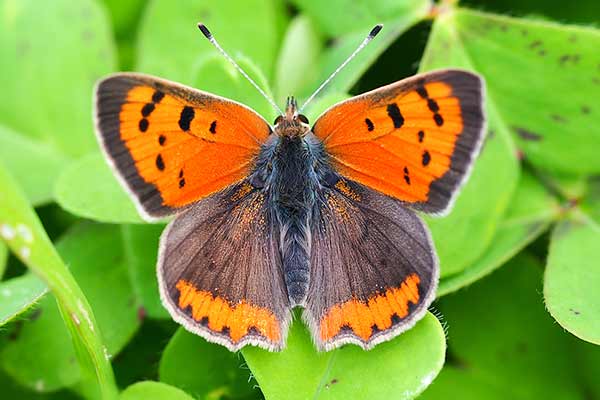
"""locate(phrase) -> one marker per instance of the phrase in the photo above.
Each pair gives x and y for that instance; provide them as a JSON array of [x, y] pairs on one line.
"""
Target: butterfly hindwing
[[414, 140], [374, 270], [172, 145], [220, 271]]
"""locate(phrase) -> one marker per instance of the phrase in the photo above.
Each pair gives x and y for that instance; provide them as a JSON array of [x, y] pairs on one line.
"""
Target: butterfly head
[[291, 124]]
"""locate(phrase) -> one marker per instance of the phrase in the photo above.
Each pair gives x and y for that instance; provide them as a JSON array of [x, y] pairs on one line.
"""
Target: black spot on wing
[[370, 125], [143, 125], [425, 158], [406, 176], [394, 113], [213, 127], [162, 139], [439, 121], [186, 117], [157, 96], [421, 135], [160, 164], [147, 109]]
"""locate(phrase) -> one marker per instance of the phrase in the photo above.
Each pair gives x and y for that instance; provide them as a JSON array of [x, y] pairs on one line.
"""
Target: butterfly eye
[[278, 120], [303, 118]]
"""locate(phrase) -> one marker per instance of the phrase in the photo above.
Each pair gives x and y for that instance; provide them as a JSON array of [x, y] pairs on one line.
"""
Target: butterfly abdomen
[[292, 195]]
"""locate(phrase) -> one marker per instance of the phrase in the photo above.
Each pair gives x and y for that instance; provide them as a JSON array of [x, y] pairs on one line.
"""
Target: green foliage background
[[518, 309]]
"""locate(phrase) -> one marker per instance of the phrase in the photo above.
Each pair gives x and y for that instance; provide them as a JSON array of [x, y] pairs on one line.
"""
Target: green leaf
[[572, 277], [542, 78], [18, 295], [25, 236], [37, 172], [530, 212], [3, 258], [463, 236], [588, 363], [214, 74], [149, 390], [399, 369], [297, 63], [95, 256], [217, 374], [502, 343], [11, 390], [88, 188], [141, 249], [52, 53], [349, 22], [170, 43]]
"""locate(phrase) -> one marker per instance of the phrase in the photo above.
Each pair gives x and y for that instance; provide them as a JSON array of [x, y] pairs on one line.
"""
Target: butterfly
[[272, 217]]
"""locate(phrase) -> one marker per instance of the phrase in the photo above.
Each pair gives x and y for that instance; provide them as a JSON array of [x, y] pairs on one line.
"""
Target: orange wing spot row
[[219, 316], [364, 319]]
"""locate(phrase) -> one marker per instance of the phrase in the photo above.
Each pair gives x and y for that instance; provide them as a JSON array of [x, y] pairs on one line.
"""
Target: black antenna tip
[[375, 30], [205, 31]]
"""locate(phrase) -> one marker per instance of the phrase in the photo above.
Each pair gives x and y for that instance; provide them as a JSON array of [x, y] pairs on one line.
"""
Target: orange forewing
[[401, 138], [182, 143]]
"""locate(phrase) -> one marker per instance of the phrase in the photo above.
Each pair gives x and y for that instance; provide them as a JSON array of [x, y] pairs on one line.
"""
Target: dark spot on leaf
[[585, 110], [141, 313], [35, 314], [535, 44], [524, 32], [504, 27], [574, 311], [526, 134], [542, 53], [558, 118]]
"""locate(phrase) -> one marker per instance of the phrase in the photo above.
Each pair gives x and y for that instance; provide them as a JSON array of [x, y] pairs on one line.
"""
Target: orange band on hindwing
[[376, 314], [219, 316]]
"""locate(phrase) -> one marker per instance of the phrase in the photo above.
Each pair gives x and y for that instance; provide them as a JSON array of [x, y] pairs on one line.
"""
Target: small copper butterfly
[[272, 217]]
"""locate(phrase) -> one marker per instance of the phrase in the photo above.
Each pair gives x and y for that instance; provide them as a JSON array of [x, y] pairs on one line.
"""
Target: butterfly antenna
[[365, 42], [211, 39]]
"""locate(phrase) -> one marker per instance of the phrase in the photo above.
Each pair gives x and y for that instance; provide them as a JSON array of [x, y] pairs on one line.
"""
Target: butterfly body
[[273, 217]]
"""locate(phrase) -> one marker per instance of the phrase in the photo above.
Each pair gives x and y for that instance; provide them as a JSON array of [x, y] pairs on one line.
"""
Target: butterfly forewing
[[172, 145], [414, 140]]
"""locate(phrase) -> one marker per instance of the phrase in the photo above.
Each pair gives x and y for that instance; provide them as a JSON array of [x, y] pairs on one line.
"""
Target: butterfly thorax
[[292, 189]]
